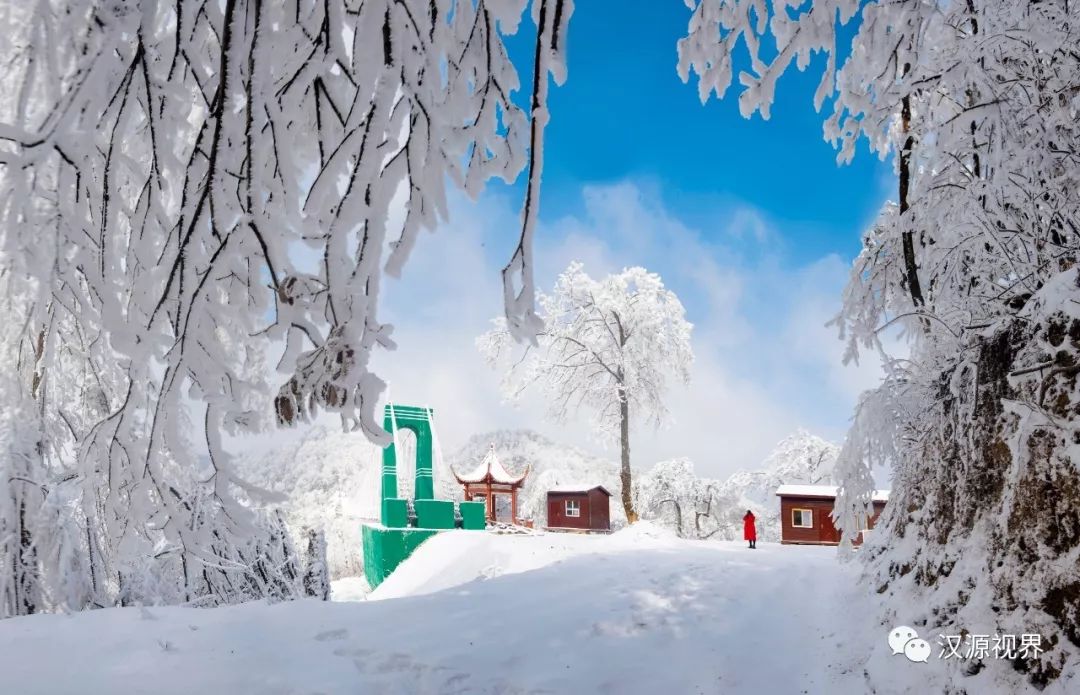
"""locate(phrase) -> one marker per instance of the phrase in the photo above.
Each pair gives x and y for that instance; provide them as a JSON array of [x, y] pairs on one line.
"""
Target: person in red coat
[[749, 531]]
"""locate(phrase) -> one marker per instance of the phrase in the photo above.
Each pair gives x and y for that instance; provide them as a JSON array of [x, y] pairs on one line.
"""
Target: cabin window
[[802, 518], [573, 508]]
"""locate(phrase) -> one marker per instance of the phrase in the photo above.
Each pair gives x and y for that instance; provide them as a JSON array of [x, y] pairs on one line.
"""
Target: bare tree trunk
[[25, 566], [27, 580], [910, 266], [624, 445]]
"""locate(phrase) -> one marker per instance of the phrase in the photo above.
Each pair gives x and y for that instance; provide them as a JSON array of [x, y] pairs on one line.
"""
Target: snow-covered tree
[[20, 507], [316, 571], [671, 493], [187, 185], [979, 103], [607, 345]]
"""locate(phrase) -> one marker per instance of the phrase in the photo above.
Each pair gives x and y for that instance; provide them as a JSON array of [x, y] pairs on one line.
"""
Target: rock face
[[984, 529]]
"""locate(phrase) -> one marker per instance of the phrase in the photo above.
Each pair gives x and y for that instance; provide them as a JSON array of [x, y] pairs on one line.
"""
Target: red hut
[[805, 514], [489, 480], [585, 508]]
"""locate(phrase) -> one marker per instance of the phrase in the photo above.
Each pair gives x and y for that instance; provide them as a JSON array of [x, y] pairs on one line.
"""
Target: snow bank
[[642, 531], [634, 612], [595, 614], [453, 559], [349, 589]]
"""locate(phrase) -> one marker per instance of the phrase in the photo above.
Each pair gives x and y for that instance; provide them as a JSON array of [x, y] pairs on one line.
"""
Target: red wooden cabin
[[805, 514], [585, 508]]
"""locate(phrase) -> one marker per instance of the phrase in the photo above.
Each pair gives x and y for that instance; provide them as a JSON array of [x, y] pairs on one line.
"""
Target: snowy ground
[[635, 612]]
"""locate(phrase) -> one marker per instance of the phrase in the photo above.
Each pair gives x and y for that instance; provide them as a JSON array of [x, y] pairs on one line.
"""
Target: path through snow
[[630, 613]]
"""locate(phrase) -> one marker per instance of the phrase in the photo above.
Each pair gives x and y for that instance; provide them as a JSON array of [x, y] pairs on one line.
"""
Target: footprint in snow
[[491, 571], [395, 663], [332, 635]]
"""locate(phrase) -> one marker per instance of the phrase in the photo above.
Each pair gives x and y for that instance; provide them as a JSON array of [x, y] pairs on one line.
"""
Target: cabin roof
[[578, 489], [828, 491]]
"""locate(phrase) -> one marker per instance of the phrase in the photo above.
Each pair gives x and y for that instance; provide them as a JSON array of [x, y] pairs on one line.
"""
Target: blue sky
[[624, 113], [751, 222]]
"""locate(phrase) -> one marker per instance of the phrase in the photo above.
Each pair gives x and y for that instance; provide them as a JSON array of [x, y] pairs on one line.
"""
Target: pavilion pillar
[[513, 505], [490, 504]]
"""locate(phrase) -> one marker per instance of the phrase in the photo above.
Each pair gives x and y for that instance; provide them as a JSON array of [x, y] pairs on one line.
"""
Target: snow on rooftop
[[823, 491], [490, 466], [578, 488]]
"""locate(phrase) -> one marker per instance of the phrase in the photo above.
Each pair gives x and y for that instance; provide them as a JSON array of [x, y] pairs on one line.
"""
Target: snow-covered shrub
[[323, 478], [316, 573]]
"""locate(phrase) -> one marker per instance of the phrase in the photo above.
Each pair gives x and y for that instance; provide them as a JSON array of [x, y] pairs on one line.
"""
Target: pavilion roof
[[490, 470]]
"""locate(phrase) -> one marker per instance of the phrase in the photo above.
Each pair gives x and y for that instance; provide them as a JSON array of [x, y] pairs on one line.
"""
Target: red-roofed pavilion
[[490, 479]]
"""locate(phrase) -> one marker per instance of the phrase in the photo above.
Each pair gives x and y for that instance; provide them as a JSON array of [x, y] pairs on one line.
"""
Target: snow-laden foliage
[[607, 345], [979, 103], [670, 493], [187, 185], [326, 479]]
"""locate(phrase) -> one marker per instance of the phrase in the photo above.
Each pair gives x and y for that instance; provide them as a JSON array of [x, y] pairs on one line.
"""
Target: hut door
[[827, 533]]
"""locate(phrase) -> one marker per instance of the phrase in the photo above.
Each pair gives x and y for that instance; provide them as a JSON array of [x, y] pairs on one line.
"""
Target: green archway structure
[[418, 421], [403, 523]]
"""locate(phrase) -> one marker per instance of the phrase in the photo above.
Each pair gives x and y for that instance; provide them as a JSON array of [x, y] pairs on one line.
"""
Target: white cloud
[[765, 362]]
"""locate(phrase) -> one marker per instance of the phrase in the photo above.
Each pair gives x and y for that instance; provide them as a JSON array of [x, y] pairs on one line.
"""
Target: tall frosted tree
[[606, 346], [978, 103], [186, 186]]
